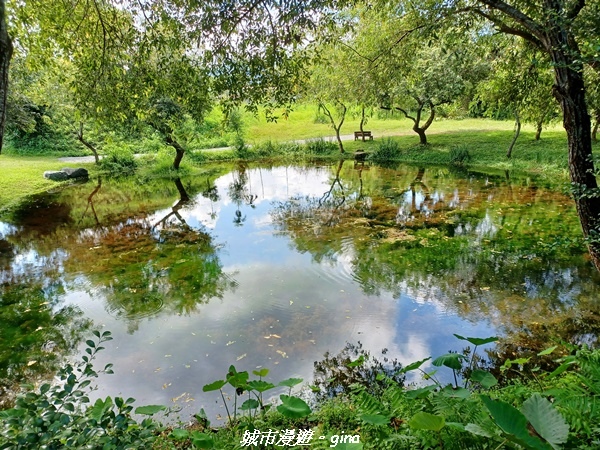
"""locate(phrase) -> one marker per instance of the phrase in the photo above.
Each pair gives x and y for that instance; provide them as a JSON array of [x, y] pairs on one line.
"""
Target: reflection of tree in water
[[239, 192], [145, 268], [508, 256], [36, 333], [212, 193]]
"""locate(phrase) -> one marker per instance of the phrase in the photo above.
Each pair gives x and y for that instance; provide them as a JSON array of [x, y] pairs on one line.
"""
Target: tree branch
[[503, 27], [518, 16]]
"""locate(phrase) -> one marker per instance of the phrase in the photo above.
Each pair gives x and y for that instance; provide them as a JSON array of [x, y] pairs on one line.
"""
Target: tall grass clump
[[320, 147], [459, 155], [387, 150]]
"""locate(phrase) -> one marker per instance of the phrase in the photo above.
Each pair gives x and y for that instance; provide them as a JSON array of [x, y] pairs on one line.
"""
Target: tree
[[6, 50], [552, 27]]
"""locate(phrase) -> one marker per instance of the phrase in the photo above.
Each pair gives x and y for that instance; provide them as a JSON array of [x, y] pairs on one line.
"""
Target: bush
[[459, 155], [320, 147], [387, 150], [118, 160]]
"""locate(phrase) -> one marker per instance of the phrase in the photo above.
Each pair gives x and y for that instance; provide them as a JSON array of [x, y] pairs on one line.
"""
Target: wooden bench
[[363, 135]]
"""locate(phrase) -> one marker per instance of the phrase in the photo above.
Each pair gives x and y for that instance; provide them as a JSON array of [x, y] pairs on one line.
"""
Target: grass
[[24, 175], [485, 141]]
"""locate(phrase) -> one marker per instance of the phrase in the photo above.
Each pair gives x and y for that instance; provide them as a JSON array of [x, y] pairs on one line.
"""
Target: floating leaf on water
[[276, 336], [230, 342], [282, 353], [241, 357]]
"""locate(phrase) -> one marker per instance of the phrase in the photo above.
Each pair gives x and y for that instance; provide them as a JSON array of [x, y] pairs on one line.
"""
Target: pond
[[274, 265]]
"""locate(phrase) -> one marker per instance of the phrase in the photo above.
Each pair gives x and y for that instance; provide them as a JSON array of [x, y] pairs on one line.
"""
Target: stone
[[75, 173], [56, 175]]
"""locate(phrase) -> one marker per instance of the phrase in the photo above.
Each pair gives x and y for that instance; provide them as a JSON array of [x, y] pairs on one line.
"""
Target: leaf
[[425, 421], [214, 386], [546, 420], [374, 419], [512, 422], [260, 386], [249, 404], [149, 410], [547, 351], [90, 343], [486, 379], [478, 430], [290, 382], [452, 360], [180, 434], [421, 392], [100, 407], [202, 440], [451, 392], [293, 407], [261, 373], [477, 341], [413, 366]]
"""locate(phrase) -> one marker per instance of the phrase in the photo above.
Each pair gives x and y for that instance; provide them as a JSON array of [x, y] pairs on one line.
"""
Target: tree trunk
[[362, 123], [516, 136], [570, 92], [87, 143], [336, 127], [538, 131], [179, 151], [6, 50], [595, 129]]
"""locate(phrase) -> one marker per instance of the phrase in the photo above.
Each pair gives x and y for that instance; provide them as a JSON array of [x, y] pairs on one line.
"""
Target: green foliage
[[60, 415], [387, 150], [459, 155], [118, 160], [320, 147]]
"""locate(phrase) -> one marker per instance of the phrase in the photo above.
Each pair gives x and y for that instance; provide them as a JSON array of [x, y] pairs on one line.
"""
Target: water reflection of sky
[[285, 312]]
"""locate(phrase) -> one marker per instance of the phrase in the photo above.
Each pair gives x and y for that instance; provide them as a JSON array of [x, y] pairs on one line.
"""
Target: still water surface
[[272, 266]]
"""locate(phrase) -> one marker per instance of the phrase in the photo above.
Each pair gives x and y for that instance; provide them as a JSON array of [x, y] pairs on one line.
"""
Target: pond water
[[274, 265]]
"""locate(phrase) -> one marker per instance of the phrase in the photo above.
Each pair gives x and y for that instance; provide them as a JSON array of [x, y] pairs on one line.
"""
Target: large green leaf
[[513, 423], [453, 392], [486, 379], [290, 382], [261, 373], [249, 404], [413, 366], [546, 420], [202, 440], [477, 341], [425, 421], [149, 409], [293, 407], [421, 392], [452, 360], [214, 386], [260, 386]]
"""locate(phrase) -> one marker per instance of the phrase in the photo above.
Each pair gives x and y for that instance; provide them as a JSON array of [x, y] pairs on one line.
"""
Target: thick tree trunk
[[179, 151], [6, 50], [570, 92], [516, 136], [538, 131]]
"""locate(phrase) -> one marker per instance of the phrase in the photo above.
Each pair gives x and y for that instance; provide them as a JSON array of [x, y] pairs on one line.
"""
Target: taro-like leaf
[[452, 360], [249, 404], [374, 419], [149, 410], [421, 392], [260, 386], [290, 382], [477, 341], [478, 430], [293, 407], [453, 392], [486, 379], [413, 366], [546, 420], [180, 434], [214, 386], [261, 373], [202, 440], [425, 421]]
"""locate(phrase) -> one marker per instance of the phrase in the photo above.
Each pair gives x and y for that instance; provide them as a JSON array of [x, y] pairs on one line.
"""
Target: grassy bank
[[485, 142]]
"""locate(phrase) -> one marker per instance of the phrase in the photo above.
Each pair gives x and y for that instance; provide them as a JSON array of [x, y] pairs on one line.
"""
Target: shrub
[[387, 150], [320, 147], [459, 155], [118, 160]]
